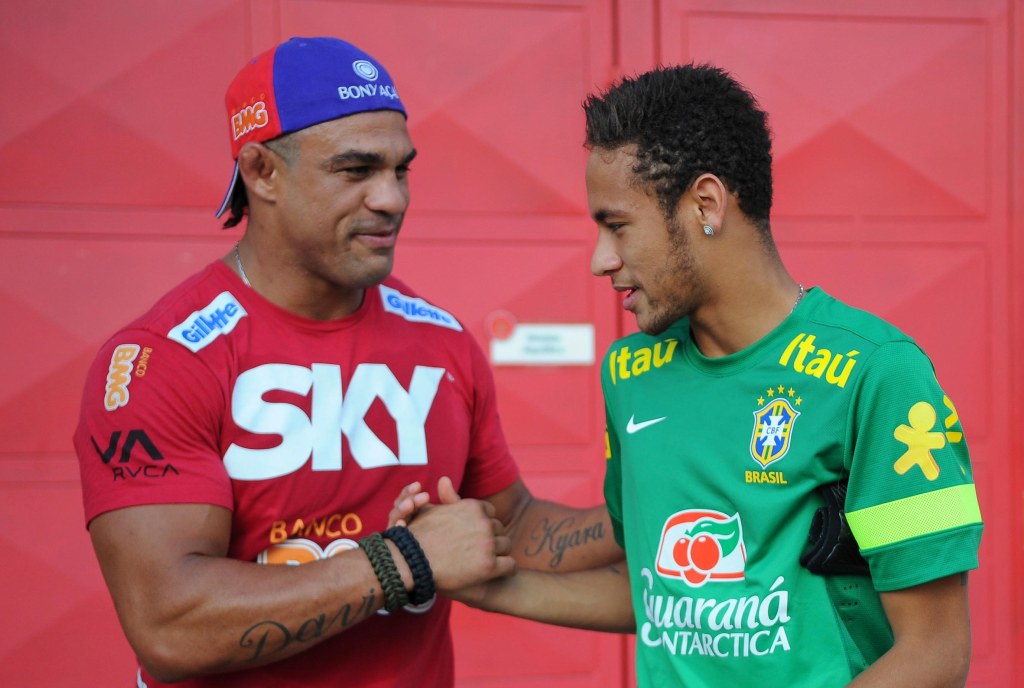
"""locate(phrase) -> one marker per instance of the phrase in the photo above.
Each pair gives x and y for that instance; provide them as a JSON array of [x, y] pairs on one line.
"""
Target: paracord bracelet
[[379, 554], [422, 577]]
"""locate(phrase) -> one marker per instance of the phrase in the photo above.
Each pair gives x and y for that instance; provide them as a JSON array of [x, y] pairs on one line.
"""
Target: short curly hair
[[686, 121]]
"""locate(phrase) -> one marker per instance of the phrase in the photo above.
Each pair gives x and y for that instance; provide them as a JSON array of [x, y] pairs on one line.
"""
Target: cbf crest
[[773, 425]]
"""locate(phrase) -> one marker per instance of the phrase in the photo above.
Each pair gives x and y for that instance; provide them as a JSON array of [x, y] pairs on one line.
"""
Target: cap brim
[[226, 203]]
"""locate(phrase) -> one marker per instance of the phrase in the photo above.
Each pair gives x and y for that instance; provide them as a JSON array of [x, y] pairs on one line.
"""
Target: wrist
[[402, 565], [384, 567], [424, 588]]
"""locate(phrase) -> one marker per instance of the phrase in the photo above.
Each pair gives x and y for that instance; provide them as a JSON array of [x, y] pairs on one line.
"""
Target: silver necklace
[[799, 295], [241, 273]]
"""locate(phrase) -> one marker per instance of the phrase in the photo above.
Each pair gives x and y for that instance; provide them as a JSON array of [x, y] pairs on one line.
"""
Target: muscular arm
[[188, 610], [931, 629]]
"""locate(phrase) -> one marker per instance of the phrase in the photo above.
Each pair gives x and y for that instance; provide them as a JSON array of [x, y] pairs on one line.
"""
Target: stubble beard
[[679, 268], [367, 268]]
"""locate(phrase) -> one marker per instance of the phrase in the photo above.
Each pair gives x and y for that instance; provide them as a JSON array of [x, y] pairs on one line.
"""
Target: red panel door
[[898, 129], [112, 155], [113, 159], [892, 192]]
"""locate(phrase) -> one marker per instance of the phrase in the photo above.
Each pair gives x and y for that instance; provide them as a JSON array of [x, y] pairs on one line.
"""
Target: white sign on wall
[[545, 345]]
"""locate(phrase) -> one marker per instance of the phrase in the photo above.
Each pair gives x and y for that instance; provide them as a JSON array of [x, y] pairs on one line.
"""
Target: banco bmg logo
[[701, 545]]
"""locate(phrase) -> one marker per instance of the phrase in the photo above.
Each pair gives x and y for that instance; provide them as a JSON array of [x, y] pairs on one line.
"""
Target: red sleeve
[[490, 468], [149, 426]]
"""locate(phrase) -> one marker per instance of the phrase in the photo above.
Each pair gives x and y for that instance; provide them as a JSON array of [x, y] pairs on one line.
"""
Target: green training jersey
[[713, 471]]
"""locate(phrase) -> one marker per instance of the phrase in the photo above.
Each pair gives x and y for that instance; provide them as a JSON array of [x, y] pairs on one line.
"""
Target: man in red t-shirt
[[242, 443]]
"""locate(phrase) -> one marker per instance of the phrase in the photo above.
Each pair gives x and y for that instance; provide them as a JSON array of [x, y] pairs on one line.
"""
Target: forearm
[[597, 599], [552, 537], [226, 615], [188, 610], [908, 667], [932, 631], [545, 536]]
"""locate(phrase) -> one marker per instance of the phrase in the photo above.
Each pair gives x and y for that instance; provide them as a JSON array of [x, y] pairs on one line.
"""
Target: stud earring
[[709, 230]]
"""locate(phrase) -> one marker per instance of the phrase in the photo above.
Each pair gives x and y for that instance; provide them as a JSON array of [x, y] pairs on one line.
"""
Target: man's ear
[[260, 169], [710, 198]]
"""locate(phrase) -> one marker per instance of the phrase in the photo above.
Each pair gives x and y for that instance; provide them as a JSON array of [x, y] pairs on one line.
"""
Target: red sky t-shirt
[[306, 430]]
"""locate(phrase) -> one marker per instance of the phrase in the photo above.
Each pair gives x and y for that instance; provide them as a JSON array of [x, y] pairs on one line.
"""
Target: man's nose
[[605, 260]]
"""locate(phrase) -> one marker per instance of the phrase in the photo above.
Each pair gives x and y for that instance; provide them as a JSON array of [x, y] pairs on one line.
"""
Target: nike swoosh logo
[[632, 426]]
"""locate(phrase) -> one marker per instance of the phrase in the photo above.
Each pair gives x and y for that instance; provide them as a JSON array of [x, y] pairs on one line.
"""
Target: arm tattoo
[[558, 537], [269, 637]]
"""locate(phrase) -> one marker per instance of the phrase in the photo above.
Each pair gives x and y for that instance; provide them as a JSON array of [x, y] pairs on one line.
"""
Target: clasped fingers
[[464, 544], [410, 501]]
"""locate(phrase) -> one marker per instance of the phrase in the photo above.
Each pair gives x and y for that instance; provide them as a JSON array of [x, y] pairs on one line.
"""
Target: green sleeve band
[[911, 517]]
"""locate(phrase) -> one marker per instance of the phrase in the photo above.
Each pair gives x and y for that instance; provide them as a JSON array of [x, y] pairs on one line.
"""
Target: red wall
[[898, 161]]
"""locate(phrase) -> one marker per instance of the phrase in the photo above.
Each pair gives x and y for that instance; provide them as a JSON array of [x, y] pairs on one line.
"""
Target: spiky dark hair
[[686, 121]]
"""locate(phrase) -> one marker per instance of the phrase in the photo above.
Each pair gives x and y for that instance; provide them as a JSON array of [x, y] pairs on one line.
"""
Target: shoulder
[[854, 324], [400, 301], [839, 343], [197, 311], [143, 363], [412, 328], [180, 323], [827, 327], [203, 293]]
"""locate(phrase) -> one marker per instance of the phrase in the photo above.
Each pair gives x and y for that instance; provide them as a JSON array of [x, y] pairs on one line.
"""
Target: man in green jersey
[[749, 408]]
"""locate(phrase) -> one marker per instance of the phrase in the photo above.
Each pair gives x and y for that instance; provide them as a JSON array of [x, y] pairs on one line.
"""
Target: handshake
[[568, 569], [457, 545]]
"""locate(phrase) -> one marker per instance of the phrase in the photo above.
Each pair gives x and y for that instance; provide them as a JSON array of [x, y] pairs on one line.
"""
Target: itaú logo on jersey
[[698, 545], [334, 412]]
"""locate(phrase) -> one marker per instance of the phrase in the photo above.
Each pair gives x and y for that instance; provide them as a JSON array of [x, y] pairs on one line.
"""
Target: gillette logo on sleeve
[[202, 327], [416, 310]]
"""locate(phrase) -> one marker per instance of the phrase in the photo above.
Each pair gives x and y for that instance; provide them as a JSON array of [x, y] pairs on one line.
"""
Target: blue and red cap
[[299, 83]]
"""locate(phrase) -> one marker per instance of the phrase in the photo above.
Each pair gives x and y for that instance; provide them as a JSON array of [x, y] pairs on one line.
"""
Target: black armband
[[383, 564], [833, 550], [423, 578]]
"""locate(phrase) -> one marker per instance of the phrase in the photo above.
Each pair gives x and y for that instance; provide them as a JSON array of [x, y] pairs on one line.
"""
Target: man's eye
[[360, 171], [402, 171]]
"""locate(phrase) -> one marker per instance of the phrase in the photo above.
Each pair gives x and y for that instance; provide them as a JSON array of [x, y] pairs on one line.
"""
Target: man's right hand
[[461, 538]]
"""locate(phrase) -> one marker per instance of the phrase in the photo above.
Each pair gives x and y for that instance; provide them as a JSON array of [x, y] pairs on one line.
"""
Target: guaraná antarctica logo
[[701, 545]]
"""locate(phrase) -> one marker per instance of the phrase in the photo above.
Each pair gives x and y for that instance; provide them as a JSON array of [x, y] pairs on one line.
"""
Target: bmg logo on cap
[[248, 118], [292, 86]]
